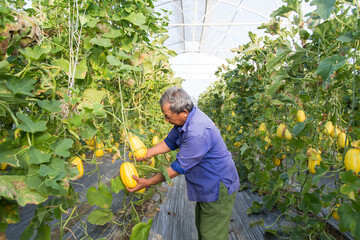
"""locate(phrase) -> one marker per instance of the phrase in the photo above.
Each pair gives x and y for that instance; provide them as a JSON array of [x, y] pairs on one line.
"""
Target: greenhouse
[[179, 119]]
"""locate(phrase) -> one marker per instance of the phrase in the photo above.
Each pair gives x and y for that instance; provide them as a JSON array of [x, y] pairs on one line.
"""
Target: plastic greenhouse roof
[[202, 32]]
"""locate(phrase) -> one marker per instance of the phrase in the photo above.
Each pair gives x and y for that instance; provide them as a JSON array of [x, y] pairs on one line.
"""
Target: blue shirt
[[203, 157]]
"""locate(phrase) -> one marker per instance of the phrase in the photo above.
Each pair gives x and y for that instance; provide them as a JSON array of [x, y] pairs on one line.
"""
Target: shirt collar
[[184, 127]]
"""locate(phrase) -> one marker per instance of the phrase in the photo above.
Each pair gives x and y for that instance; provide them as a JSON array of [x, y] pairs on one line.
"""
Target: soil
[[333, 232], [149, 209]]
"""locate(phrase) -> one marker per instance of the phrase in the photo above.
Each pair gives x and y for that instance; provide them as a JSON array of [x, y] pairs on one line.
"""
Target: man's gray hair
[[179, 100]]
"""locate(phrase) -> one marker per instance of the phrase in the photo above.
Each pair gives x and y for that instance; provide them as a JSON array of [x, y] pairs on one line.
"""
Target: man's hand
[[158, 178], [141, 183], [141, 159]]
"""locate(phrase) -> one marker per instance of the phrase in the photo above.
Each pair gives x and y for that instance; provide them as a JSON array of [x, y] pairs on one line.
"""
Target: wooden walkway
[[176, 218]]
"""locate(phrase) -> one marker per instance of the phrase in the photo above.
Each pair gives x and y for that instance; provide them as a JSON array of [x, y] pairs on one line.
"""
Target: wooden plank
[[176, 218]]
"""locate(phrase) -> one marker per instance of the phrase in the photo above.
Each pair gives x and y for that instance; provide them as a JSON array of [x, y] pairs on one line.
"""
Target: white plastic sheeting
[[202, 32]]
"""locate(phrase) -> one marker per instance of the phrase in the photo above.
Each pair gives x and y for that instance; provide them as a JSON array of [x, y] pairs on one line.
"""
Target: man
[[203, 157]]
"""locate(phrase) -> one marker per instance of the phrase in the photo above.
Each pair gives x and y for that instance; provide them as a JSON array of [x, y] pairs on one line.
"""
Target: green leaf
[[99, 110], [36, 182], [126, 67], [114, 33], [346, 37], [349, 220], [37, 156], [100, 216], [8, 97], [4, 67], [43, 141], [279, 79], [311, 202], [101, 197], [256, 207], [141, 230], [46, 171], [52, 183], [9, 151], [92, 22], [61, 147], [138, 19], [94, 96], [166, 175], [53, 106], [9, 210], [29, 125], [113, 60], [15, 187], [21, 86], [324, 7], [122, 55], [281, 11], [328, 198], [297, 129], [348, 177], [117, 185], [269, 201], [80, 71], [103, 42], [280, 55], [329, 65], [87, 130], [43, 232], [36, 52], [28, 232], [2, 110]]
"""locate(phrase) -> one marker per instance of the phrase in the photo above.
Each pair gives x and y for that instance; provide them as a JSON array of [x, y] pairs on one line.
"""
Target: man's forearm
[[159, 177], [158, 149]]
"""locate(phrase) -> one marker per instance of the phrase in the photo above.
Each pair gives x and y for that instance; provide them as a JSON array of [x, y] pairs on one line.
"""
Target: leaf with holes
[[15, 187]]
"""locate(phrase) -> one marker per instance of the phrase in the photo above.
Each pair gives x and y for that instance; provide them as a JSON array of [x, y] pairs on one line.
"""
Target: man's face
[[176, 119]]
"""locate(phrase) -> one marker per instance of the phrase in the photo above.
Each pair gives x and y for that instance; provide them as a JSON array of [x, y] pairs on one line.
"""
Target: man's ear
[[186, 113]]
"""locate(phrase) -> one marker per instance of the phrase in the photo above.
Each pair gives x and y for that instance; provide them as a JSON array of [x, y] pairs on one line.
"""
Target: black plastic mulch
[[174, 221]]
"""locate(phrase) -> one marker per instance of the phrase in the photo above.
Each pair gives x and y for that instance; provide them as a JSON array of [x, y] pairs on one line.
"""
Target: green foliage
[[117, 185], [312, 66], [96, 69], [101, 197], [100, 216], [141, 230]]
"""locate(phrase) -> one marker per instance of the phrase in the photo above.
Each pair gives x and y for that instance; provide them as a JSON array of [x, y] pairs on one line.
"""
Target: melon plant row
[[290, 114], [76, 78]]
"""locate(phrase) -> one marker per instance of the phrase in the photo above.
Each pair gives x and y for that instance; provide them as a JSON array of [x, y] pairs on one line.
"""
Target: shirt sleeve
[[177, 168], [193, 149], [171, 138]]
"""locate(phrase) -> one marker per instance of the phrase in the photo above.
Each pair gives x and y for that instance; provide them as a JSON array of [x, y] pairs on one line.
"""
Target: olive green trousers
[[212, 218]]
